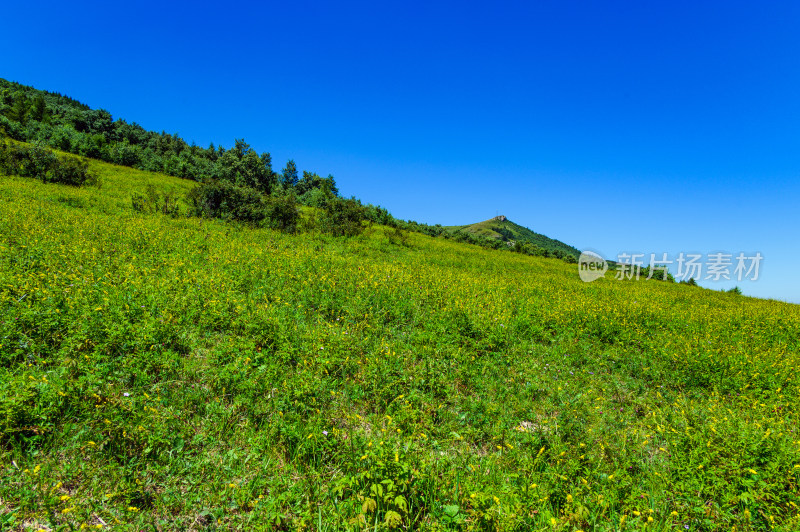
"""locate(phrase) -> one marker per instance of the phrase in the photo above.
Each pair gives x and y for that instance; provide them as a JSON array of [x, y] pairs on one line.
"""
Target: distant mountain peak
[[501, 228]]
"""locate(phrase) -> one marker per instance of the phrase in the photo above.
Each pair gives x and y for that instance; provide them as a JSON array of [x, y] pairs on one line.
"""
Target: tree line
[[235, 184], [60, 122]]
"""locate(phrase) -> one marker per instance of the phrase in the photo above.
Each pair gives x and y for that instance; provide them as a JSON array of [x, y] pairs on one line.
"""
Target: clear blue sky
[[632, 126]]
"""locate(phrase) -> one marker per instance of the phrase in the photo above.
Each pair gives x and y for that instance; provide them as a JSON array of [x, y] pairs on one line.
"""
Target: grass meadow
[[172, 373]]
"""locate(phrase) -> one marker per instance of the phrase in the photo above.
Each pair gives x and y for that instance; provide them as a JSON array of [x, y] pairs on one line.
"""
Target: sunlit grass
[[188, 374]]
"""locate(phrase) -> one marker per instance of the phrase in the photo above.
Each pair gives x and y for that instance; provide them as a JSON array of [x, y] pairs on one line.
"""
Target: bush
[[41, 163], [282, 213], [378, 215], [226, 201], [398, 237], [11, 129], [658, 274], [220, 199], [151, 202], [344, 217], [318, 198], [70, 171], [122, 153]]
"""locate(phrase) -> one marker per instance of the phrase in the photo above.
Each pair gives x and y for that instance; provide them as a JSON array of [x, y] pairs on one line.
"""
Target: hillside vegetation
[[519, 238], [160, 372], [238, 183]]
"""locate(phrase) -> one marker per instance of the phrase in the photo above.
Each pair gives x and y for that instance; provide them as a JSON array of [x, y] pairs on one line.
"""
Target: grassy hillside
[[167, 373], [501, 228]]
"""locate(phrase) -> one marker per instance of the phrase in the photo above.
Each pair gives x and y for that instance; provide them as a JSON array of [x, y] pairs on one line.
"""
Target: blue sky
[[632, 127]]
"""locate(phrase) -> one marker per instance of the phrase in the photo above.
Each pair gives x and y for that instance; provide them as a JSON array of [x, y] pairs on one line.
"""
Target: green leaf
[[451, 510], [368, 506], [401, 503], [393, 519]]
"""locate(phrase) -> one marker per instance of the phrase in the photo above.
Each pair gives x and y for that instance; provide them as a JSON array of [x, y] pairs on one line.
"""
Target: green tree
[[243, 167], [39, 109], [289, 176], [268, 178], [311, 181], [19, 110]]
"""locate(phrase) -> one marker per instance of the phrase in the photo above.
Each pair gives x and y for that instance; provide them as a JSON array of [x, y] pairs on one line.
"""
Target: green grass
[[166, 373]]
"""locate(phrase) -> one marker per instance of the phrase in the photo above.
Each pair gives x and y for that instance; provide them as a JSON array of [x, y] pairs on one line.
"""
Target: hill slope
[[501, 228], [32, 115], [178, 373]]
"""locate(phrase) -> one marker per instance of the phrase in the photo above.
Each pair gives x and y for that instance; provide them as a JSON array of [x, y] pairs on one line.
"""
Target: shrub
[[398, 237], [220, 199], [41, 163], [151, 202], [378, 215], [282, 213], [344, 217], [226, 201], [70, 171], [317, 198]]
